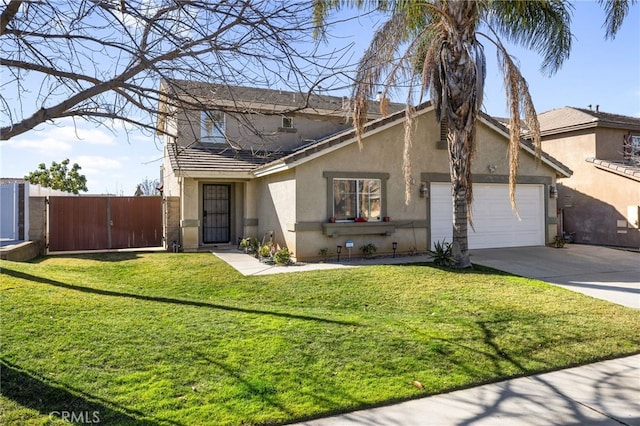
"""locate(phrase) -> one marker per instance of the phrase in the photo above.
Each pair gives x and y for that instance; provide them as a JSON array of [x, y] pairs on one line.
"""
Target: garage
[[495, 223]]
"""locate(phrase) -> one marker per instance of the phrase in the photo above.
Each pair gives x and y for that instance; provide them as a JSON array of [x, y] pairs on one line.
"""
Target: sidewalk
[[605, 393]]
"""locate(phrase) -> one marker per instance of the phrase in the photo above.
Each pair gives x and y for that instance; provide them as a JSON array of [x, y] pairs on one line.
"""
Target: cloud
[[41, 146], [53, 139], [98, 165]]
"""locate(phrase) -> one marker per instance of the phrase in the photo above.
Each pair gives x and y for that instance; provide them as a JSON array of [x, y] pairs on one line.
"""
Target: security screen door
[[216, 214]]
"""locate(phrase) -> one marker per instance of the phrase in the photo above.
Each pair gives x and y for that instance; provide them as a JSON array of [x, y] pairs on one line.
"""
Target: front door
[[216, 215]]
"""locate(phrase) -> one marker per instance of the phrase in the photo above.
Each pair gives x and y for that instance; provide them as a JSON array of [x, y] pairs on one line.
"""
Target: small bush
[[250, 245], [282, 256], [265, 250], [368, 250], [324, 252], [443, 254]]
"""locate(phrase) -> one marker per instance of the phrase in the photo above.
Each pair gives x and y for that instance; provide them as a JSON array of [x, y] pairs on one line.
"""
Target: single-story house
[[600, 203], [255, 162]]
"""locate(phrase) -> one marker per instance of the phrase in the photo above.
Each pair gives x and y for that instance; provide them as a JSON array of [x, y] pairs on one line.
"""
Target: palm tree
[[616, 11], [434, 45]]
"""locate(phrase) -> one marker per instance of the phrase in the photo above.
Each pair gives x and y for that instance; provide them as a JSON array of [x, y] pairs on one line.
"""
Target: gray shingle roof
[[570, 118], [199, 157], [244, 99]]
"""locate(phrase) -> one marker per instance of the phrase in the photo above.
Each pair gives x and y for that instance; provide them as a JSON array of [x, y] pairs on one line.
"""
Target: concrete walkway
[[249, 265], [605, 393]]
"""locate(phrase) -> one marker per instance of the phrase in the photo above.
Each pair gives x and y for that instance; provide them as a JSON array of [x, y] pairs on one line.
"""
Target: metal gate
[[103, 223], [216, 215]]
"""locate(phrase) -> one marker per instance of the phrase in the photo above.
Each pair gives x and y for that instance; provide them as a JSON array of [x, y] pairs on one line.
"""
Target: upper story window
[[212, 126], [287, 122], [287, 125], [357, 198]]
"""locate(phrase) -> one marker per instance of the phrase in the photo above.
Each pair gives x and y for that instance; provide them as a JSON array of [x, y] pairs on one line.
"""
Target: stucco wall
[[597, 200], [609, 144], [171, 221], [276, 206], [190, 215], [269, 135], [37, 218], [170, 182], [382, 153]]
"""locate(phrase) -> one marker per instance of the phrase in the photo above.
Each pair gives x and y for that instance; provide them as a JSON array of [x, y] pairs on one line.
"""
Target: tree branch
[[8, 14]]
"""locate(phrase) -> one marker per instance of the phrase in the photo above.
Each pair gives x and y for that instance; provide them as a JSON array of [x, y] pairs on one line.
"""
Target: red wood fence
[[99, 223]]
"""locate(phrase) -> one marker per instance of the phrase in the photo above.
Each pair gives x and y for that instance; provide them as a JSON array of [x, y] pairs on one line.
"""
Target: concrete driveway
[[600, 272]]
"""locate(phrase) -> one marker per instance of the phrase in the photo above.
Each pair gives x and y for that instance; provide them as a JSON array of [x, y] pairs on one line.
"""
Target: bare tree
[[148, 187], [103, 60]]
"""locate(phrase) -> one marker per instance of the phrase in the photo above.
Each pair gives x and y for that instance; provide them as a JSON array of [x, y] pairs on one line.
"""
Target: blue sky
[[599, 72]]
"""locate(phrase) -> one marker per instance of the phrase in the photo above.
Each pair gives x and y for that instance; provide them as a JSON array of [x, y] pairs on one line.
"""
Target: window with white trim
[[357, 198], [212, 126]]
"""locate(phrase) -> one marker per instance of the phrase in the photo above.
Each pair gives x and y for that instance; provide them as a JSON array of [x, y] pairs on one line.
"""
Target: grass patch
[[181, 339]]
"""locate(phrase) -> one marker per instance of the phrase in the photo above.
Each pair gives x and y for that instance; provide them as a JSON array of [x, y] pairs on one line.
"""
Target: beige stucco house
[[295, 172], [599, 203]]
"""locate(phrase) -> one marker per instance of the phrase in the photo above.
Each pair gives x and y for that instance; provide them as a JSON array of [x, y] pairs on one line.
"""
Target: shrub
[[265, 250], [443, 254], [282, 256], [368, 249], [324, 252]]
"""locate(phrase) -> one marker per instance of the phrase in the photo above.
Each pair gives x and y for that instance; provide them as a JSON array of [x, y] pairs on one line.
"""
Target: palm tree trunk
[[459, 159], [462, 96]]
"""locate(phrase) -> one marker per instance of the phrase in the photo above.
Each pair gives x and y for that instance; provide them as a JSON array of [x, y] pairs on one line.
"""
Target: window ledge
[[287, 130], [359, 228]]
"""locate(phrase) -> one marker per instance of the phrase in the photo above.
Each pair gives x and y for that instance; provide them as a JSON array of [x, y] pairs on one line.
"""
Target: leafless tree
[[103, 60]]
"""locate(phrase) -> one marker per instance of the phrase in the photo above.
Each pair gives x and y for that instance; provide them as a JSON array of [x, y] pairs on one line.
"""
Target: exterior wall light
[[424, 190], [553, 192]]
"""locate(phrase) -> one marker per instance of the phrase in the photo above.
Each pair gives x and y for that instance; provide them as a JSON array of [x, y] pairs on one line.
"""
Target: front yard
[[183, 339]]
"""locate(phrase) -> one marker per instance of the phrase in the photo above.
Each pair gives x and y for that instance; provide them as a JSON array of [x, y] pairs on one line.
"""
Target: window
[[635, 147], [212, 130], [287, 122], [354, 198]]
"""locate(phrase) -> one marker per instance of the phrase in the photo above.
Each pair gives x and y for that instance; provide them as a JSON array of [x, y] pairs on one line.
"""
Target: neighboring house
[[242, 169], [599, 203]]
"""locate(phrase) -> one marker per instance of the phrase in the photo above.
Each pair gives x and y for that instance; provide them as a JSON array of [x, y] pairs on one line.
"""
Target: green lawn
[[183, 339]]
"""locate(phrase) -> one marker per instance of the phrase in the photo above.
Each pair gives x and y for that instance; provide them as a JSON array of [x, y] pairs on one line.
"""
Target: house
[[253, 162], [599, 203]]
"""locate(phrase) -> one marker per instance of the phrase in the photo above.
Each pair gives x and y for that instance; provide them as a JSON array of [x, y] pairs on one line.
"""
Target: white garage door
[[495, 223]]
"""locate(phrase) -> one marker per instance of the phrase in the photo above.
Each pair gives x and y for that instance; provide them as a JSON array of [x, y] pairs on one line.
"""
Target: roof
[[252, 99], [336, 141], [568, 119], [217, 159], [223, 160], [627, 170]]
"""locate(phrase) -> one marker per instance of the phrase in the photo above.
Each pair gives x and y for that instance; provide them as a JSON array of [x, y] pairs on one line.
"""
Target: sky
[[598, 72]]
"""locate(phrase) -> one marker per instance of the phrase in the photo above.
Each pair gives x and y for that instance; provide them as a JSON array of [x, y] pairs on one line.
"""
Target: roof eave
[[213, 174]]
